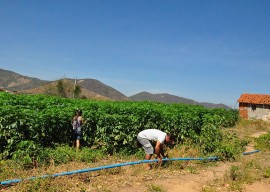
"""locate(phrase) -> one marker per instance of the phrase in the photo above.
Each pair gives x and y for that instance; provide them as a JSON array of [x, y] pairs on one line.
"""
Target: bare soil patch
[[188, 182]]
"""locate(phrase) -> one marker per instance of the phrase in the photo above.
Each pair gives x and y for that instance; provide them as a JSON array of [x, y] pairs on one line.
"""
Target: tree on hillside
[[77, 91], [61, 89]]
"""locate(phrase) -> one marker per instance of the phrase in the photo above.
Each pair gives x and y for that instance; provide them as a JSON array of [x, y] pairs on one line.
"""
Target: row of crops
[[45, 121]]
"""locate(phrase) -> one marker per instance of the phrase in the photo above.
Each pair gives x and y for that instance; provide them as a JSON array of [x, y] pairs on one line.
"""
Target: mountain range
[[90, 88]]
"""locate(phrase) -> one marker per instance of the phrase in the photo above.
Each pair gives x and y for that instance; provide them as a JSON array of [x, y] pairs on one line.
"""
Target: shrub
[[263, 142]]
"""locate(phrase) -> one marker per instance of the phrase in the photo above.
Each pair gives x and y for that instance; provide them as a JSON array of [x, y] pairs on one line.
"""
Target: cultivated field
[[28, 148]]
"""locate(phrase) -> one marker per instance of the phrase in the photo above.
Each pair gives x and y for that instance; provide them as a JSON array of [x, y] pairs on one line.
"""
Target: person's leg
[[78, 144], [148, 157], [148, 148], [74, 136], [74, 143], [79, 134]]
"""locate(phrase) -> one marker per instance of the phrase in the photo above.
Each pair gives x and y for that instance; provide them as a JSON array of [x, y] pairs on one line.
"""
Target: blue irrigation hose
[[8, 182], [251, 152]]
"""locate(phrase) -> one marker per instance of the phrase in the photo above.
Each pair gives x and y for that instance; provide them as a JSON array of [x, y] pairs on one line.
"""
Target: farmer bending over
[[144, 138]]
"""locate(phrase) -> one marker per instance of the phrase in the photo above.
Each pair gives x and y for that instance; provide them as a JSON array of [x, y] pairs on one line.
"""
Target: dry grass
[[246, 171], [249, 169], [246, 128], [115, 179], [104, 180]]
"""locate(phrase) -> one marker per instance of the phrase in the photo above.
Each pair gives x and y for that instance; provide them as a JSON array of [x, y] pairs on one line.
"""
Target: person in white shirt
[[144, 138]]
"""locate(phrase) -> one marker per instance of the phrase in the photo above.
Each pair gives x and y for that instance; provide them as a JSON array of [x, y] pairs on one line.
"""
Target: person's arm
[[83, 122], [159, 149], [72, 120], [162, 152]]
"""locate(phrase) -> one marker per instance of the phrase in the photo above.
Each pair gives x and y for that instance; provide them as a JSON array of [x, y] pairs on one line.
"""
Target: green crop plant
[[111, 125]]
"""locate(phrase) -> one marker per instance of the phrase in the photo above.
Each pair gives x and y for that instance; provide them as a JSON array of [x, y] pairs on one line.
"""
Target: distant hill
[[96, 86], [212, 105], [167, 98], [90, 88], [51, 88], [14, 82], [160, 97]]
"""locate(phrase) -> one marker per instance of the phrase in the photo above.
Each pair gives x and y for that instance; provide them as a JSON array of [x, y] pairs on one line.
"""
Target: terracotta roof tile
[[254, 98]]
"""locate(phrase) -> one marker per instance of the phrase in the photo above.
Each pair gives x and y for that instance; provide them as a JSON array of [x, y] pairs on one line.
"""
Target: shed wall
[[253, 111]]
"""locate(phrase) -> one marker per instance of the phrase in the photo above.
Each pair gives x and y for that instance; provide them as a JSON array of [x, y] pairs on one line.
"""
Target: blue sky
[[209, 51]]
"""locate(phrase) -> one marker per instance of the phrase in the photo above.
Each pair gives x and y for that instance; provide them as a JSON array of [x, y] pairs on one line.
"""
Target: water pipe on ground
[[8, 182]]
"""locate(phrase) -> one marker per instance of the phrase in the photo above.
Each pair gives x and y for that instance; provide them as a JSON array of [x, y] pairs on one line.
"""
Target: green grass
[[155, 188], [263, 142]]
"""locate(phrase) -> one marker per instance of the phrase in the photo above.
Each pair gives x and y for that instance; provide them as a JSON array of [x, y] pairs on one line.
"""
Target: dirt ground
[[186, 182], [196, 182], [190, 178]]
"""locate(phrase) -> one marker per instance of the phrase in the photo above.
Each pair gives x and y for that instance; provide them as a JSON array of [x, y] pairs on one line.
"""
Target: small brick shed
[[254, 106]]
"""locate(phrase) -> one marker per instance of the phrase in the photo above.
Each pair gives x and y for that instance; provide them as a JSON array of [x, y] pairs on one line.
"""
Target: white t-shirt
[[153, 134]]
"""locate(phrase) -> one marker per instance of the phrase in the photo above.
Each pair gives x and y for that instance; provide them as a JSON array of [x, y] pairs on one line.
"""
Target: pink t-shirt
[[153, 134]]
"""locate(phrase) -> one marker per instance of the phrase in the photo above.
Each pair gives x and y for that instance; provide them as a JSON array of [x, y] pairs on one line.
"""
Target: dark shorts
[[146, 144], [76, 135]]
